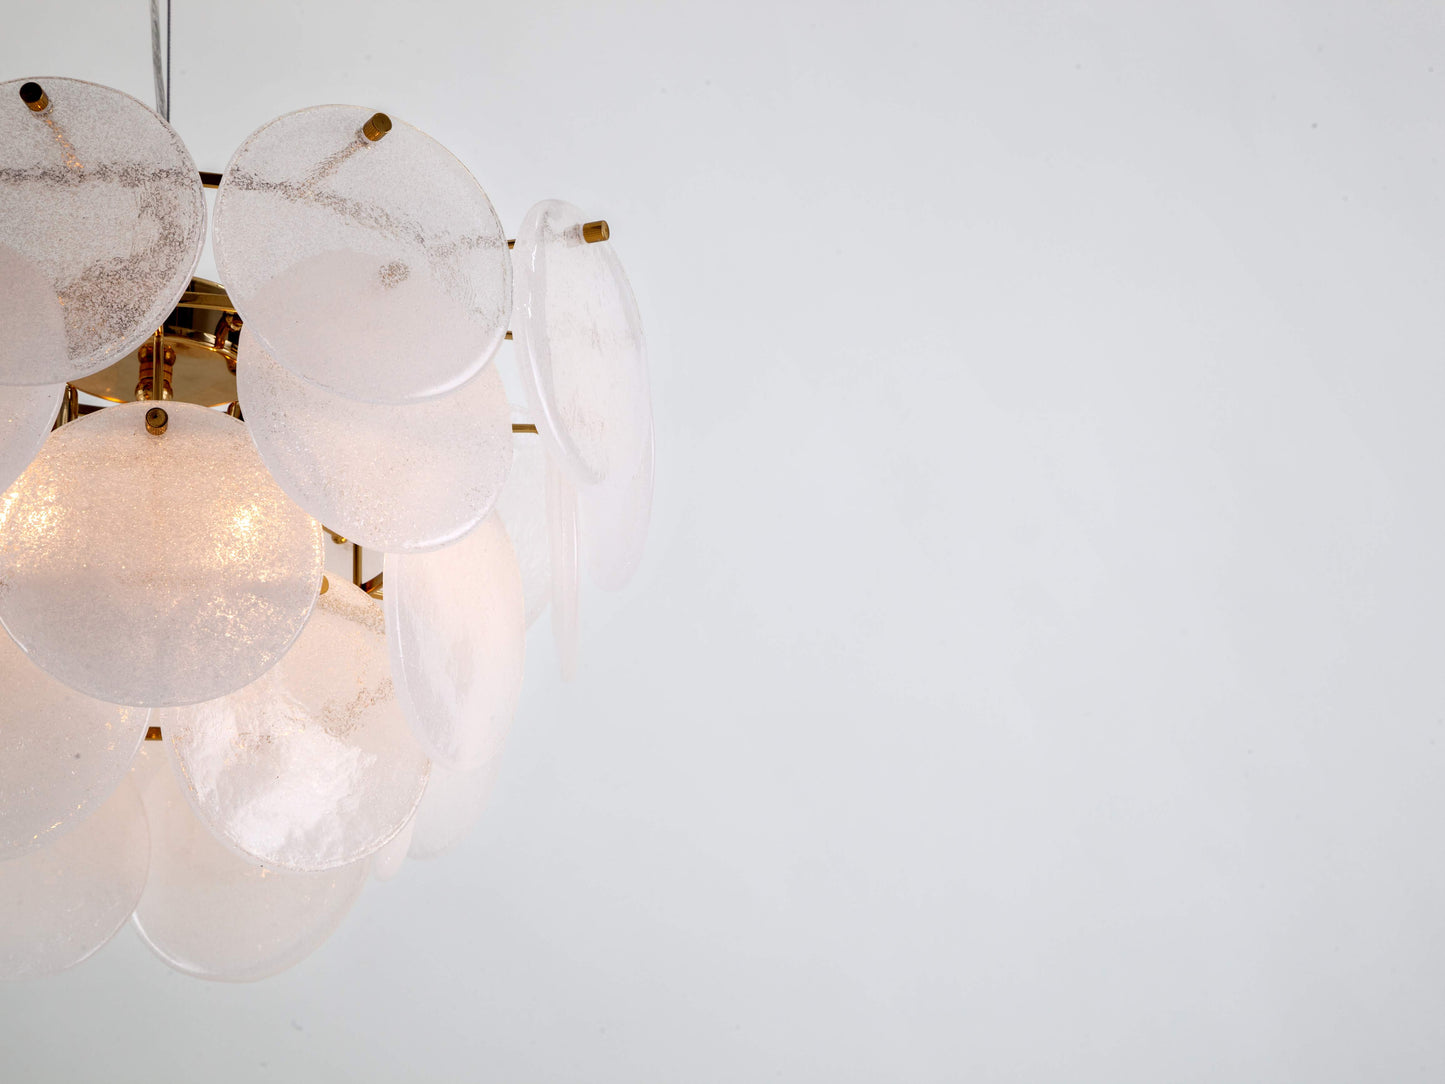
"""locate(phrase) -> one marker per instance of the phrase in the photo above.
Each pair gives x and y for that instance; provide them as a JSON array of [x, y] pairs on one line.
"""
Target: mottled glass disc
[[212, 914], [456, 629], [400, 479], [378, 270], [61, 753], [154, 569], [562, 534], [312, 766], [523, 508], [579, 336], [612, 523], [451, 807], [101, 224], [26, 415], [64, 901]]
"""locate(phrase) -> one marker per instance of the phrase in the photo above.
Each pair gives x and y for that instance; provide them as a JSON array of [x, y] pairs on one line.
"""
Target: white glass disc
[[378, 270], [562, 534], [26, 415], [579, 336], [212, 914], [64, 901], [456, 630], [523, 508], [613, 518], [101, 224], [61, 753], [387, 862], [400, 479], [312, 766], [451, 807], [154, 569]]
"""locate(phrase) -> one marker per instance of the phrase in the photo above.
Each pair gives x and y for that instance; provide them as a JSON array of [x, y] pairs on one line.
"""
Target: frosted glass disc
[[580, 337], [451, 807], [378, 270], [387, 862], [101, 224], [212, 914], [523, 508], [61, 903], [311, 766], [562, 534], [61, 753], [456, 629], [395, 478], [154, 570], [613, 518], [26, 415]]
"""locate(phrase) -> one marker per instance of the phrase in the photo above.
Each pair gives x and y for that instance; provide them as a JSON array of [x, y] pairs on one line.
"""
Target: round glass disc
[[451, 807], [61, 903], [376, 269], [579, 336], [400, 479], [523, 508], [456, 630], [562, 534], [612, 521], [101, 224], [312, 766], [26, 416], [61, 753], [154, 569], [212, 914]]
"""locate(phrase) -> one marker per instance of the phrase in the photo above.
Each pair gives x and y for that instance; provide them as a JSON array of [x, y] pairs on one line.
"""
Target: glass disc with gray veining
[[612, 523], [210, 913], [562, 533], [523, 508], [376, 269], [403, 478], [26, 416], [579, 336], [61, 753], [154, 569], [61, 903], [456, 630], [101, 224], [312, 766]]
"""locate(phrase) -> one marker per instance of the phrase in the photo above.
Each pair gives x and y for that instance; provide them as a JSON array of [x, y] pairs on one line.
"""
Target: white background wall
[[1035, 673]]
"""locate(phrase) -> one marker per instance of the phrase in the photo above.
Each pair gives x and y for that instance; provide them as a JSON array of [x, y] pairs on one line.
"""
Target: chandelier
[[204, 729]]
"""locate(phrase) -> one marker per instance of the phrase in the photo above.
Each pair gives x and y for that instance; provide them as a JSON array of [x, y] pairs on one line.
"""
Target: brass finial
[[156, 421], [33, 95], [376, 127], [592, 232]]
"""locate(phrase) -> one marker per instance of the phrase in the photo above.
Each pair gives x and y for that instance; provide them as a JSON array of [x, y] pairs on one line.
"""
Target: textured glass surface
[[61, 753], [612, 523], [387, 862], [451, 807], [580, 340], [378, 270], [60, 903], [101, 224], [562, 534], [312, 766], [154, 570], [26, 415], [213, 914], [456, 629], [523, 508], [402, 478]]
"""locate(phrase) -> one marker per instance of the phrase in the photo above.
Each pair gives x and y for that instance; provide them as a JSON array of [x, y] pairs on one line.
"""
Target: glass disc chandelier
[[174, 455]]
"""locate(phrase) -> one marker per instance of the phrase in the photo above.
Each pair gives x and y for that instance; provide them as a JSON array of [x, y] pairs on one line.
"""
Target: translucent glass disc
[[562, 534], [312, 766], [580, 339], [400, 478], [451, 807], [154, 570], [61, 753], [26, 415], [613, 518], [212, 914], [523, 508], [456, 628], [60, 903], [378, 270], [101, 224]]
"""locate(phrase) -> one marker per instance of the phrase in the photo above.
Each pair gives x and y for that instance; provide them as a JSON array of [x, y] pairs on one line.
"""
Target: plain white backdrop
[[1035, 674]]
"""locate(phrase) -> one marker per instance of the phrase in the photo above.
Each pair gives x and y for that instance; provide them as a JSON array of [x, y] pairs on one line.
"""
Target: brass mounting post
[[153, 733], [592, 232], [376, 127], [156, 421], [33, 95]]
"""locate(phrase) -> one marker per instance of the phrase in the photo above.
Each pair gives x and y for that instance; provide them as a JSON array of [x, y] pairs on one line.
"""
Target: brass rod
[[373, 585], [356, 564], [210, 180], [523, 427]]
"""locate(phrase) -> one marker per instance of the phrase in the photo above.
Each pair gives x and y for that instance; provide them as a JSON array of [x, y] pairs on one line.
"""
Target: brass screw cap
[[33, 95], [376, 127], [592, 232], [156, 421]]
